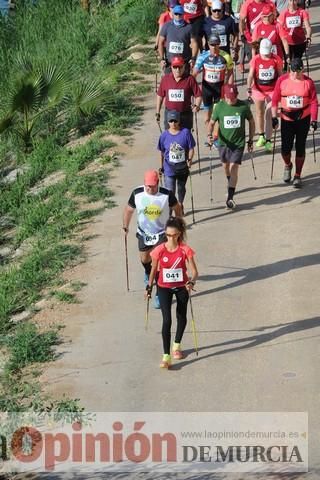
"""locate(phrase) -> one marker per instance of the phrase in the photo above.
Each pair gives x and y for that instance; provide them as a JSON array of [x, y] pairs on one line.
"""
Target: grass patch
[[65, 297]]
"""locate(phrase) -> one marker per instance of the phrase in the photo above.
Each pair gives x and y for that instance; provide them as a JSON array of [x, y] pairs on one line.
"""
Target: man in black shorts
[[153, 205]]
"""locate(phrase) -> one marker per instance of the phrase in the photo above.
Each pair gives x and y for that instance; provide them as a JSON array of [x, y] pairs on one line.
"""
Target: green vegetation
[[64, 74]]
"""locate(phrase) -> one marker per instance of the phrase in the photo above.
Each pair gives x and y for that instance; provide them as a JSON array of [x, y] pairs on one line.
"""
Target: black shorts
[[231, 156], [196, 24], [142, 247], [211, 94]]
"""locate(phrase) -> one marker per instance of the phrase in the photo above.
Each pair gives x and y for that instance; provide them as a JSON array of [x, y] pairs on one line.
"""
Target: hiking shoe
[[177, 354], [261, 141], [156, 302], [268, 146], [287, 174], [297, 183], [146, 279], [231, 204]]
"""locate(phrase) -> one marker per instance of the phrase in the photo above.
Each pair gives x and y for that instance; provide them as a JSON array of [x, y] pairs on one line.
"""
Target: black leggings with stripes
[[165, 298]]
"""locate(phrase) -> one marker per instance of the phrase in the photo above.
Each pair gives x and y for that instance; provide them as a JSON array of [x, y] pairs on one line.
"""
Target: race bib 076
[[293, 101], [232, 121], [176, 95], [176, 47], [172, 275], [293, 22]]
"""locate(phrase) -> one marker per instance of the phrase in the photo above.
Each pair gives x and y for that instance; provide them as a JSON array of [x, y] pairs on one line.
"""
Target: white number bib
[[232, 121], [177, 157], [212, 77], [172, 275], [293, 101], [150, 238], [293, 22], [176, 95], [266, 73], [176, 47], [190, 8], [223, 40]]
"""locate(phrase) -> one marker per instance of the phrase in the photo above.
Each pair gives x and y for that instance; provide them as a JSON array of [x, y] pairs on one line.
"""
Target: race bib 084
[[176, 95], [172, 275], [293, 22], [176, 47], [293, 101], [232, 121]]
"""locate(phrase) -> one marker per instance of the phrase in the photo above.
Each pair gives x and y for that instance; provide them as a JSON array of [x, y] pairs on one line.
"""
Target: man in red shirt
[[180, 92], [297, 95]]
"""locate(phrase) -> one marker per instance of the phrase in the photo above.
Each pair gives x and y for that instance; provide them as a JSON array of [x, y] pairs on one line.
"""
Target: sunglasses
[[171, 234], [178, 14], [173, 121], [216, 11], [177, 66]]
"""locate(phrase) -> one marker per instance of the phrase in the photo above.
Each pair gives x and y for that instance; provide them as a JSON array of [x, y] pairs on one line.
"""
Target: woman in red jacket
[[169, 266], [295, 29], [297, 95]]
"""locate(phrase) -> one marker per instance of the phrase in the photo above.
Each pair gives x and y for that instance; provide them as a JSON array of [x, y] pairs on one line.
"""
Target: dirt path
[[256, 306]]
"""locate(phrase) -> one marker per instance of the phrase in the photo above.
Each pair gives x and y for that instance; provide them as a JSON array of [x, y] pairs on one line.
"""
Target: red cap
[[267, 10], [230, 91], [151, 177], [177, 62]]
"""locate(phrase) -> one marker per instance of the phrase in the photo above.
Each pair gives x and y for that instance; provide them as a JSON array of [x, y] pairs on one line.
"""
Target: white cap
[[216, 5], [265, 46]]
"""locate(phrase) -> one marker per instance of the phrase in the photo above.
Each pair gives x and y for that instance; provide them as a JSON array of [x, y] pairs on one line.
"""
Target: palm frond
[[54, 84], [89, 97]]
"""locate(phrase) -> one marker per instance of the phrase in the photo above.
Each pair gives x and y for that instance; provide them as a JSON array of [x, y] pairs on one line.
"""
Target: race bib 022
[[293, 22]]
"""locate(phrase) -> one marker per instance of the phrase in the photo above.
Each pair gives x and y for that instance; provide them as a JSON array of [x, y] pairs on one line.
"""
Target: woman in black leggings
[[169, 265]]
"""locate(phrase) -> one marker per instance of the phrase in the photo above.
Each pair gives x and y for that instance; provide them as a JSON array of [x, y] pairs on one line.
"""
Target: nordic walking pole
[[307, 61], [156, 79], [273, 151], [211, 194], [198, 146], [314, 147], [191, 193], [158, 122], [254, 173], [194, 331], [146, 320], [126, 254]]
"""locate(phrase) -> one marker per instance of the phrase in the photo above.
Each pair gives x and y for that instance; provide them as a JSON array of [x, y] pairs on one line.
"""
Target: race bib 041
[[293, 101], [176, 47], [176, 95], [232, 121], [172, 275]]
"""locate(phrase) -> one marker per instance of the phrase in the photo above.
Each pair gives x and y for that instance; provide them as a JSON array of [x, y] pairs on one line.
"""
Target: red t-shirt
[[192, 9], [172, 265], [272, 32], [266, 71], [291, 25], [178, 94], [164, 18], [252, 11]]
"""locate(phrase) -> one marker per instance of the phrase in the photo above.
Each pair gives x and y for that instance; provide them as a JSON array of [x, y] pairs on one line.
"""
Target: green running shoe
[[261, 141], [268, 146]]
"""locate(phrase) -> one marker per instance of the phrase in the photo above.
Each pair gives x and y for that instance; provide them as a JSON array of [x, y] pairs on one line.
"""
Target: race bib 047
[[177, 157]]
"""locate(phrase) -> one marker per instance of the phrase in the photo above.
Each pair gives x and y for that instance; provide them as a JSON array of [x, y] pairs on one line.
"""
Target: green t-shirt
[[232, 119]]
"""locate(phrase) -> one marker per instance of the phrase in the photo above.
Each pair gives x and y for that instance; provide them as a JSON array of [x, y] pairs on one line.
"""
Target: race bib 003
[[293, 22], [212, 77], [176, 95], [232, 121], [190, 8], [150, 239], [293, 101], [172, 275], [176, 47], [266, 73], [177, 157]]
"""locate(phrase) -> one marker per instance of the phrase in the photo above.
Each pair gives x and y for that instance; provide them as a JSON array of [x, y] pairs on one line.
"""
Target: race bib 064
[[176, 95], [232, 121], [176, 47], [293, 101], [150, 239], [172, 275]]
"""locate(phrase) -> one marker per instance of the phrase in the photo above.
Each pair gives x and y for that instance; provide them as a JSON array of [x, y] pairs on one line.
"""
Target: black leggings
[[165, 298], [298, 130], [297, 51]]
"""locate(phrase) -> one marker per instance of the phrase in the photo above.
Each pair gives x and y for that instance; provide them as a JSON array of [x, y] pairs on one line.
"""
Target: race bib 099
[[232, 121]]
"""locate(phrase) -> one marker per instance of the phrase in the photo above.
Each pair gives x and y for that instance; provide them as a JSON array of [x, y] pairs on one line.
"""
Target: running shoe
[[165, 362], [268, 146], [261, 141], [177, 354], [156, 302], [287, 174], [231, 204], [146, 278], [297, 183]]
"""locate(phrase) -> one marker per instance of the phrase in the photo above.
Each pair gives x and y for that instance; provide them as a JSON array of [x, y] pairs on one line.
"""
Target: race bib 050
[[176, 95]]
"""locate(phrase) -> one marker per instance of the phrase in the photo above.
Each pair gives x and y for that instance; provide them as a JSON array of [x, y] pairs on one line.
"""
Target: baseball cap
[[296, 65], [177, 61], [216, 5], [265, 46], [214, 39], [172, 3], [267, 10], [151, 177], [230, 91], [178, 9], [173, 115]]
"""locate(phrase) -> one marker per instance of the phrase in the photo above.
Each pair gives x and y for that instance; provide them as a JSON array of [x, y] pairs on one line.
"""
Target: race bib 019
[[176, 47], [190, 8], [293, 101], [293, 22], [177, 157], [176, 95], [212, 77], [266, 73], [232, 121], [172, 275], [150, 239]]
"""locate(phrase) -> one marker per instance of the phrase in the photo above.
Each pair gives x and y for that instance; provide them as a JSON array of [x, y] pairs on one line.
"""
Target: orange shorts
[[260, 95]]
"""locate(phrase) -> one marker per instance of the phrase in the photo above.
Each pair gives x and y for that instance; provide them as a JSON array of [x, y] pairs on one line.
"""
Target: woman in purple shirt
[[176, 148]]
